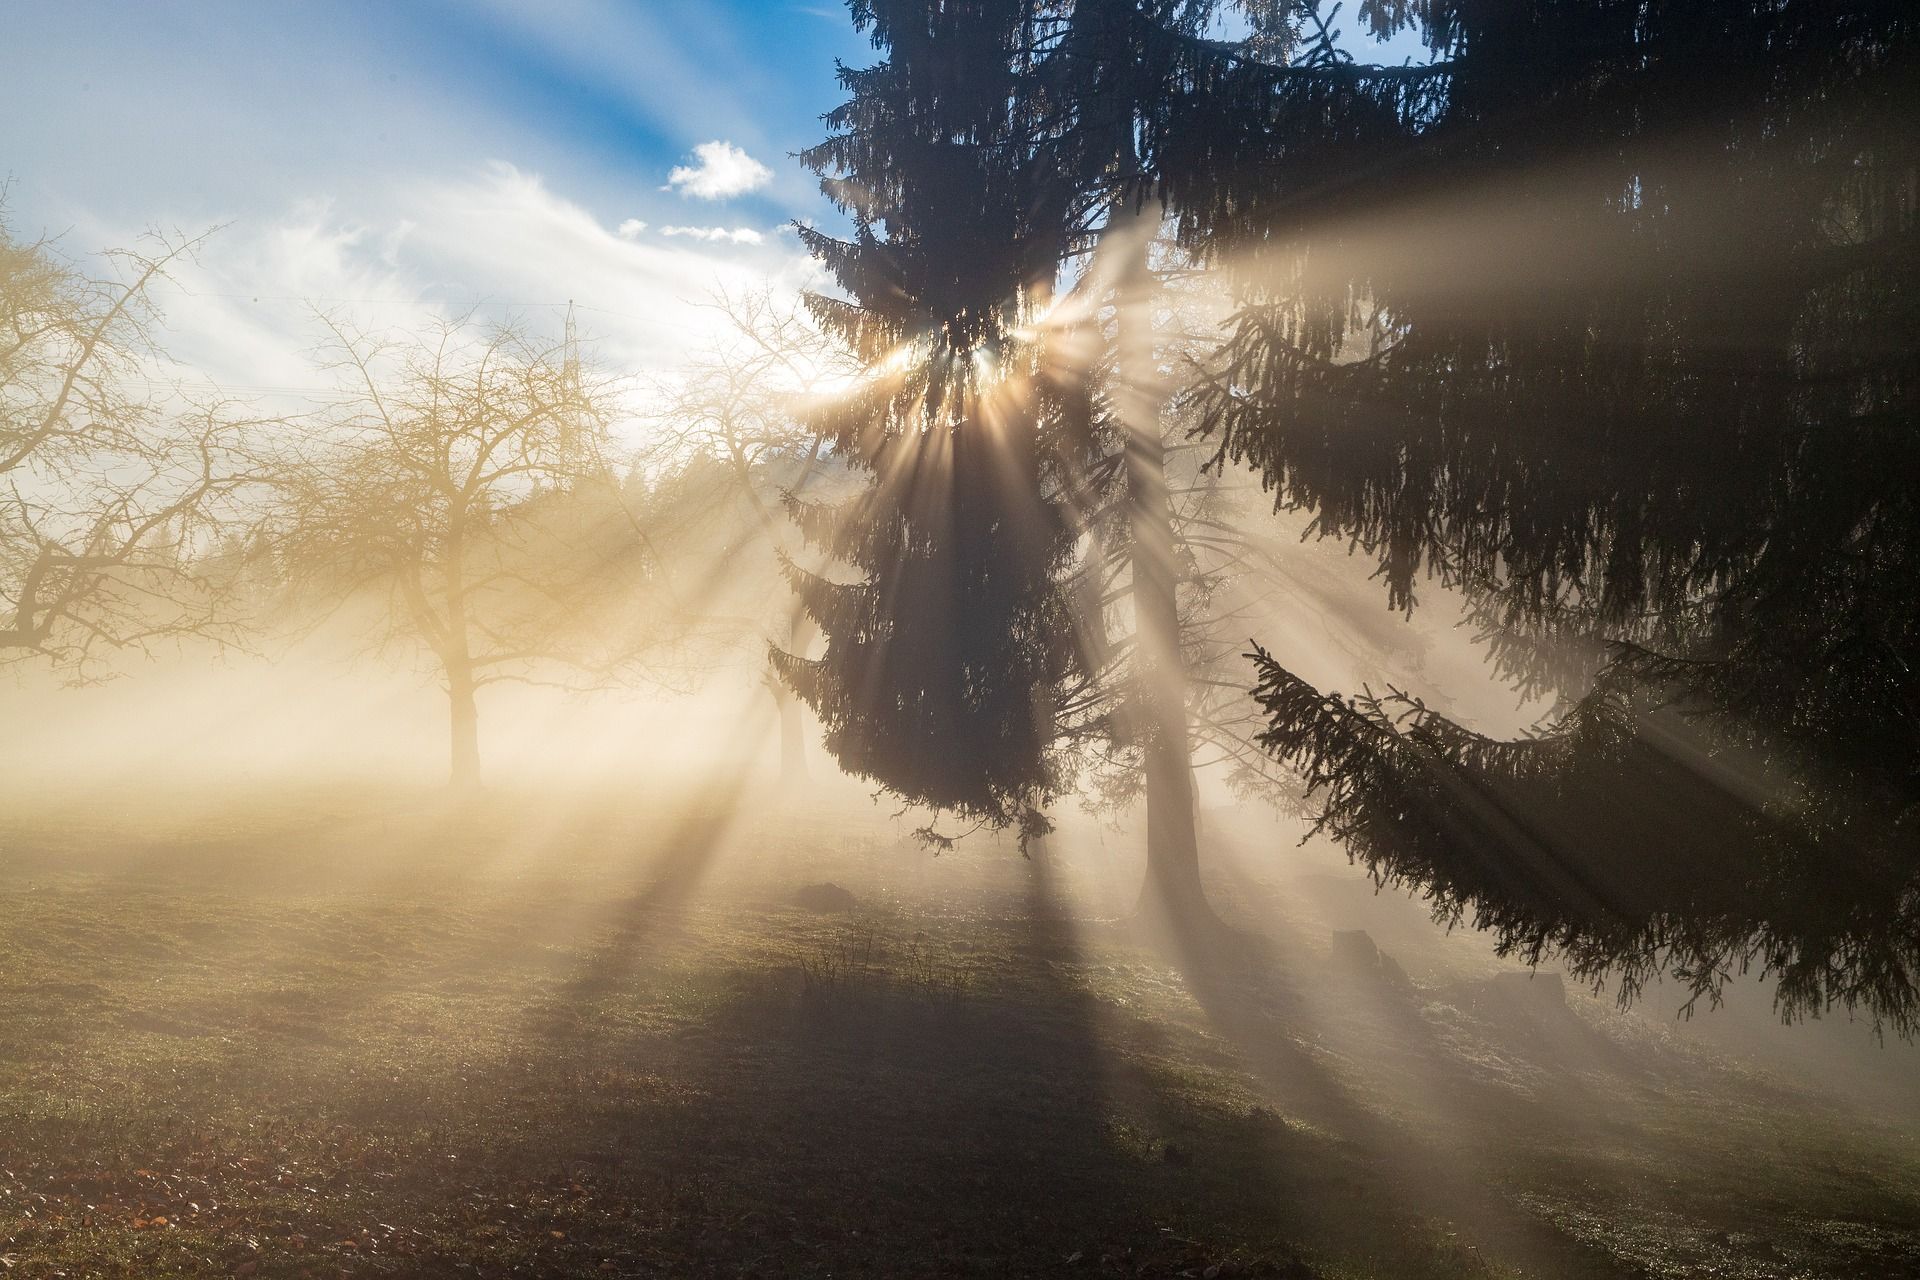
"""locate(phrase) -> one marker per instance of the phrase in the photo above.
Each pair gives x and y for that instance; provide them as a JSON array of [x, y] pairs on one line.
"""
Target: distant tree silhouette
[[1103, 77], [743, 404], [1608, 317]]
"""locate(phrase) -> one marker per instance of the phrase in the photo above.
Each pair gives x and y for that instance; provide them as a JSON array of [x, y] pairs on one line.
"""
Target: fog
[[163, 749], [971, 637]]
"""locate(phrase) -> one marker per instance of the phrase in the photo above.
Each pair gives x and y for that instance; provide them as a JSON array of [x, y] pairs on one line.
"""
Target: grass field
[[329, 1033]]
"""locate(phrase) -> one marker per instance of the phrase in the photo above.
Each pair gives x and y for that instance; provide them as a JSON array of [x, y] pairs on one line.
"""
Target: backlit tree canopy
[[1604, 315], [942, 660]]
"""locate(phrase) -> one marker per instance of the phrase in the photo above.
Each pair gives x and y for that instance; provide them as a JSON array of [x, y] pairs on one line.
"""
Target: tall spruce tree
[[1111, 69], [996, 146], [1607, 317], [942, 662]]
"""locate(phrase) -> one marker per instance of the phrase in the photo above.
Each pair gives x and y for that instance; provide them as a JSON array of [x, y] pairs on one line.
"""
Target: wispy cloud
[[243, 315], [720, 170], [631, 229], [737, 235]]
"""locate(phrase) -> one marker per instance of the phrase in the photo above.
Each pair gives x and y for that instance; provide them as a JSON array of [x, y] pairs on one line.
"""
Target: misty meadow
[[1153, 638]]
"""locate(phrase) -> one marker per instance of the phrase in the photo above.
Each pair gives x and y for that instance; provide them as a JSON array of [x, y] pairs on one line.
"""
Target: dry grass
[[380, 1036]]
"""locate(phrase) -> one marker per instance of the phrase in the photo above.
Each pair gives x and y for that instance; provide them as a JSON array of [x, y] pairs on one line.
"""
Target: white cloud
[[722, 170], [499, 239], [631, 229], [738, 235]]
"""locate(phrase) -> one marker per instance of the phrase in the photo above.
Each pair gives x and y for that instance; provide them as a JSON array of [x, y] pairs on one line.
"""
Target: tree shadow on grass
[[1553, 1148], [889, 1122], [1271, 998], [587, 1099], [870, 1126]]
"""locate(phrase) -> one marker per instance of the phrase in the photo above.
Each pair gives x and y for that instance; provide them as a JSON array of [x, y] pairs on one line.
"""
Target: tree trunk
[[1172, 894], [1193, 783], [466, 727]]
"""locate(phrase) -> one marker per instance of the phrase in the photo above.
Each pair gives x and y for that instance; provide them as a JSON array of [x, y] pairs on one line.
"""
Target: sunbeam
[[1213, 639]]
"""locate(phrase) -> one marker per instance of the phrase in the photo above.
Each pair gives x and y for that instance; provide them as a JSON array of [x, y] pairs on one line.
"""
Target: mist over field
[[960, 637]]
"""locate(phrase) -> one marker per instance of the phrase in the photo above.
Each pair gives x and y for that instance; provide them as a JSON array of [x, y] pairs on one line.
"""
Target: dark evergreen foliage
[[1628, 840], [990, 147], [1606, 316], [1610, 318]]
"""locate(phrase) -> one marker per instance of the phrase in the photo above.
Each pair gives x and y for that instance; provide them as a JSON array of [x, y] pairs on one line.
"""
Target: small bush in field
[[861, 955]]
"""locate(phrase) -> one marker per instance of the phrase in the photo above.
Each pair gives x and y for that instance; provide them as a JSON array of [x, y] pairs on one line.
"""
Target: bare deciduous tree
[[112, 481], [464, 482]]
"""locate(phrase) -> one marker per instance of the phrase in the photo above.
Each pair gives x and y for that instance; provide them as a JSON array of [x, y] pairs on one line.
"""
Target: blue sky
[[197, 111], [410, 157], [402, 159]]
